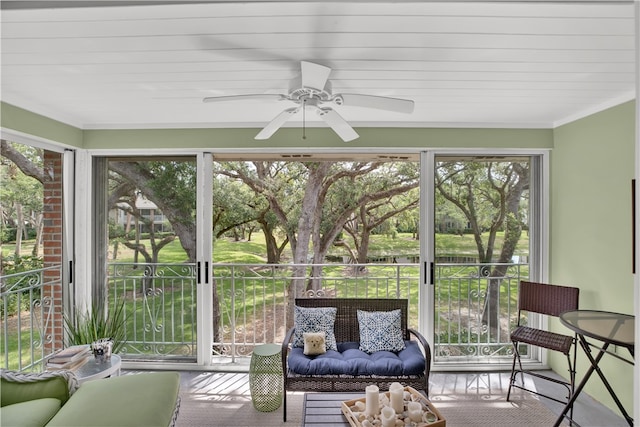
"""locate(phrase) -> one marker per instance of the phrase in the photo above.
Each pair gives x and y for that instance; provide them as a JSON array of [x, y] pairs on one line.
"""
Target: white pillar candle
[[396, 397], [415, 411], [388, 417], [372, 399]]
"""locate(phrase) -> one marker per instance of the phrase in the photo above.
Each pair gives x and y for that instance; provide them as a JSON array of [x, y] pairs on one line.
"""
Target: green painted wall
[[24, 121], [592, 165], [384, 138]]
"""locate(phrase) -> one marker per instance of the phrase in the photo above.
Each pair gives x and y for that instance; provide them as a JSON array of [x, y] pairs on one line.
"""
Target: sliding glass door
[[146, 234], [486, 227]]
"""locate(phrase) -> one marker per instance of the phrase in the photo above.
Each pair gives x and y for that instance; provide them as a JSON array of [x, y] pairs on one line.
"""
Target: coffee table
[[93, 370], [325, 409]]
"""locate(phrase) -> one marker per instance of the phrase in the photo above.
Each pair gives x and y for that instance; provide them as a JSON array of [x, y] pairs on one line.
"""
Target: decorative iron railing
[[159, 308], [475, 309], [251, 297], [474, 306], [27, 317]]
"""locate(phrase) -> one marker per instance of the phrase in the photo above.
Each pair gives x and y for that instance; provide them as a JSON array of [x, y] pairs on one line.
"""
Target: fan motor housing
[[299, 93]]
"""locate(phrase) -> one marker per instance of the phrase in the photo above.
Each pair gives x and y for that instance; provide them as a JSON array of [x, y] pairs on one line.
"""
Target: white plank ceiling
[[480, 64]]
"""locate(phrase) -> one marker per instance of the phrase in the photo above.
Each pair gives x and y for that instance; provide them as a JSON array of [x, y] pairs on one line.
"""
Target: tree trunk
[[216, 314], [363, 249], [137, 244], [39, 226], [273, 251], [308, 217], [513, 232], [19, 228], [491, 312]]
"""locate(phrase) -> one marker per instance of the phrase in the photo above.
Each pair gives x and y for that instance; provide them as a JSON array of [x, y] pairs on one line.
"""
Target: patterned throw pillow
[[380, 330], [314, 319]]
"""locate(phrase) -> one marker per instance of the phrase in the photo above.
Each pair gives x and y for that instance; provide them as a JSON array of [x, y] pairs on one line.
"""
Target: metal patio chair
[[549, 300]]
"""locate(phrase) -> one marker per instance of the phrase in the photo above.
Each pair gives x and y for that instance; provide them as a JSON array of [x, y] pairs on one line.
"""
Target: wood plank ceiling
[[480, 64]]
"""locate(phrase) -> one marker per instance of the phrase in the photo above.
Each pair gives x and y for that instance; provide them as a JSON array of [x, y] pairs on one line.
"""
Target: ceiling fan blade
[[338, 124], [276, 123], [249, 97], [314, 76], [372, 101]]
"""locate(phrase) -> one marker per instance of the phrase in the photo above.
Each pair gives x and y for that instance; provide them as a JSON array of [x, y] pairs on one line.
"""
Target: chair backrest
[[346, 326], [547, 299]]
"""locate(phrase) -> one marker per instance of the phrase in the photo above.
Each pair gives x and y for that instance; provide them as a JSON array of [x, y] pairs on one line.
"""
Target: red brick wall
[[52, 244]]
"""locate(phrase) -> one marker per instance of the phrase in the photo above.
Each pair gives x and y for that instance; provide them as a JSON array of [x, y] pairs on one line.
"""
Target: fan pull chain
[[304, 112]]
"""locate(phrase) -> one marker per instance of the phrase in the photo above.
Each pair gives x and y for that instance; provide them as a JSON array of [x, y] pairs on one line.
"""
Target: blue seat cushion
[[350, 360]]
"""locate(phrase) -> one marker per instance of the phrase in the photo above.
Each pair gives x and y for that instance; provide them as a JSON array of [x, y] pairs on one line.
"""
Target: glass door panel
[[481, 228], [151, 254], [33, 258]]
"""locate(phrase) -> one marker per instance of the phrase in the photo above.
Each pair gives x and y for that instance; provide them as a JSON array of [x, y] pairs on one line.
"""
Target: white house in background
[[147, 210]]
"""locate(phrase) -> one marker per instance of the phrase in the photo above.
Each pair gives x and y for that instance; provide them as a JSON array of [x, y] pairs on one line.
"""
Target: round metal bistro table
[[265, 377]]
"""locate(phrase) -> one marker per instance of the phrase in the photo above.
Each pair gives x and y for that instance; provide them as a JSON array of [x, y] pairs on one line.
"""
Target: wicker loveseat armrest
[[16, 387], [285, 350], [423, 343], [426, 350]]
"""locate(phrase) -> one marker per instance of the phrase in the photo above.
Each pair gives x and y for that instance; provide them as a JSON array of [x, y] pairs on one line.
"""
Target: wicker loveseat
[[348, 368]]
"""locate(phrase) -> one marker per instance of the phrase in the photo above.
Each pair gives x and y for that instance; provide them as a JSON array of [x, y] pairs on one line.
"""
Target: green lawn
[[229, 251]]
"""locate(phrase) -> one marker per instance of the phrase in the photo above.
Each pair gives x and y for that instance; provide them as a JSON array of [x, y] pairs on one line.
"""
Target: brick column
[[52, 253]]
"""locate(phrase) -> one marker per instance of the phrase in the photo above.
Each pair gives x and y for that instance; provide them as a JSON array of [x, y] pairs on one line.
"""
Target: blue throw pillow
[[380, 331], [314, 319]]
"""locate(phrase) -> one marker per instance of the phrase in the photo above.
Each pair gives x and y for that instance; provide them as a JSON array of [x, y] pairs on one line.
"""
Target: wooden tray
[[418, 397]]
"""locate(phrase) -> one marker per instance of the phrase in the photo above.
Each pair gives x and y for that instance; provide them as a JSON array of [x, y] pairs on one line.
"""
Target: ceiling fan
[[312, 91]]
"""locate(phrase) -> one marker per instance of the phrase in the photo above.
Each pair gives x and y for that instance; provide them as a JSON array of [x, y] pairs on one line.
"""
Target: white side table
[[93, 370]]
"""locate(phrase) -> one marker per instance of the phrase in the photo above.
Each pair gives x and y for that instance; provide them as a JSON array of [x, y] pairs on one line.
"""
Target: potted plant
[[88, 327]]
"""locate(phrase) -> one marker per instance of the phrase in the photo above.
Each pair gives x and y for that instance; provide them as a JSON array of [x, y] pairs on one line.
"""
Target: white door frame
[[540, 249], [204, 257], [426, 291]]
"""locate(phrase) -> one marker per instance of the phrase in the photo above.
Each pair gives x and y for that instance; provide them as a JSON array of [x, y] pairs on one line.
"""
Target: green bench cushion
[[147, 399], [15, 392], [34, 413]]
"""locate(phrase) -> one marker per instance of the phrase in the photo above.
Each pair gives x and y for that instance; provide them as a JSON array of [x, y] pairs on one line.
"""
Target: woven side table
[[265, 377]]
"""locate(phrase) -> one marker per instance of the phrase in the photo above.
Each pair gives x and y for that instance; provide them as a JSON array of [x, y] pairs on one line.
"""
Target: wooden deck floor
[[232, 389]]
